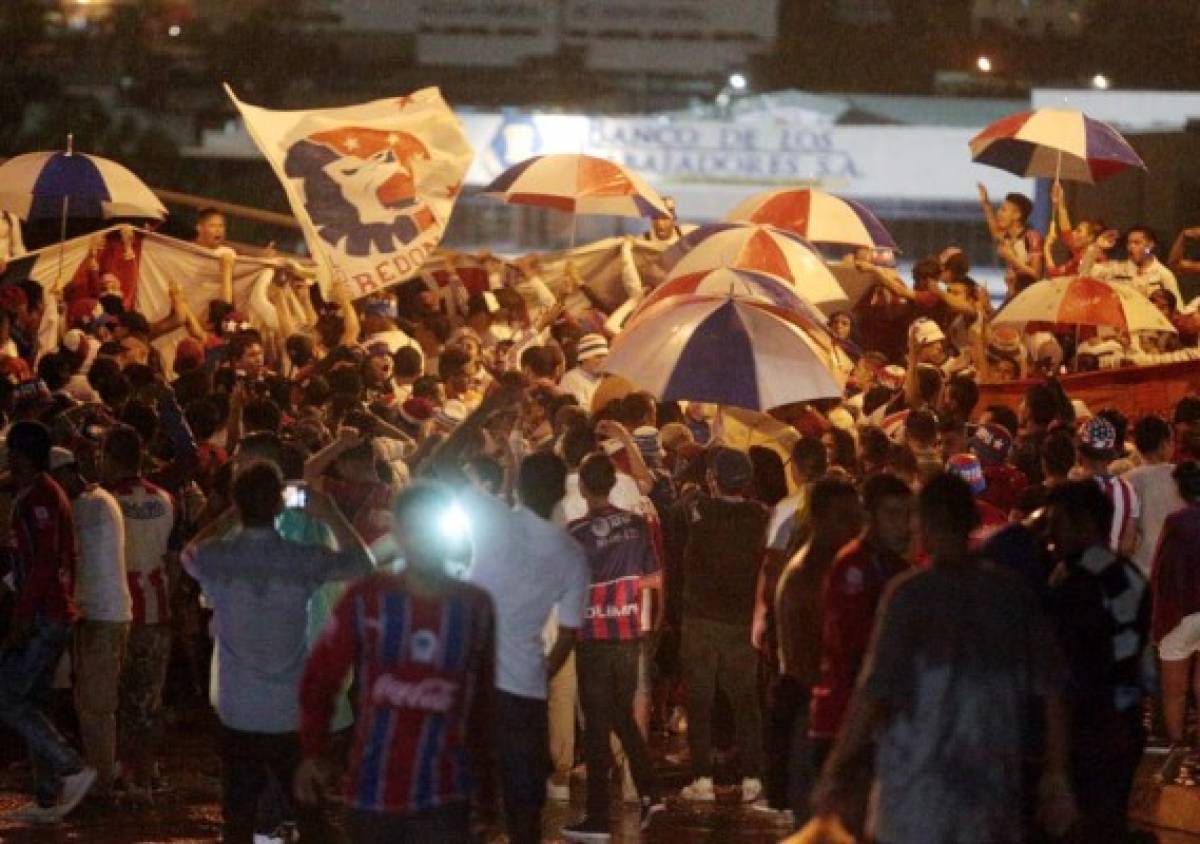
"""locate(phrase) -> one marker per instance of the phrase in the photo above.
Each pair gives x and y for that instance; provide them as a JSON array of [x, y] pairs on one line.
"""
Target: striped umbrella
[[54, 185], [741, 284], [723, 351], [817, 216], [1054, 143], [1082, 301], [577, 184], [764, 249]]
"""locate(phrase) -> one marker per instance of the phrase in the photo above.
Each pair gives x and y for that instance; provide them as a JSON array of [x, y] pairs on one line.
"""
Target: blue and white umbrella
[[727, 351], [57, 185]]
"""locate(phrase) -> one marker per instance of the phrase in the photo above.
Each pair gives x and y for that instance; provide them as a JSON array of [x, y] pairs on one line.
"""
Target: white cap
[[924, 331], [591, 346]]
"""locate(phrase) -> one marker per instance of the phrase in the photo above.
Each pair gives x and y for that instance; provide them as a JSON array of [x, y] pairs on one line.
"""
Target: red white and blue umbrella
[[1082, 301], [764, 249], [54, 185], [741, 284], [577, 184], [1054, 143], [724, 351], [816, 216]]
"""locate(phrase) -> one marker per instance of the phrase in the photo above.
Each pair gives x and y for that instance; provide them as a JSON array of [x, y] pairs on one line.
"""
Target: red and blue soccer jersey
[[419, 661], [619, 554]]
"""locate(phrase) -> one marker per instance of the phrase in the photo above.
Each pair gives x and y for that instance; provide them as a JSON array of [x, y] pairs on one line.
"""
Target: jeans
[[26, 675], [98, 654], [443, 825], [146, 657], [791, 770], [608, 679], [716, 654], [523, 756], [247, 761]]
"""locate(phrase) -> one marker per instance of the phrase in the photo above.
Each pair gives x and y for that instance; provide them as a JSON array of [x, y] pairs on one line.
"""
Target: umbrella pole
[[62, 241]]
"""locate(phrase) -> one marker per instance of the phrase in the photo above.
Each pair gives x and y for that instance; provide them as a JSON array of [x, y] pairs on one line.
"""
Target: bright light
[[984, 64], [1100, 81], [453, 524], [738, 81], [175, 30], [722, 99]]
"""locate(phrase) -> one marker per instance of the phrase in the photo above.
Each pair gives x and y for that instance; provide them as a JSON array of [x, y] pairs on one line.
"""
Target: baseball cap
[[991, 443], [648, 442], [416, 410], [967, 467], [591, 346], [892, 376], [1098, 435], [924, 331], [60, 457], [732, 468]]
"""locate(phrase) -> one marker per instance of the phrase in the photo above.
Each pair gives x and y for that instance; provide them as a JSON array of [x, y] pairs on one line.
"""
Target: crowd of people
[[411, 553]]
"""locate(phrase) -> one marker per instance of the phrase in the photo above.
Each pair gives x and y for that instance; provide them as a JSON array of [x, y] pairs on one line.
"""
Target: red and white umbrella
[[725, 351], [577, 184], [1053, 143], [764, 249], [741, 284], [816, 216], [1083, 301]]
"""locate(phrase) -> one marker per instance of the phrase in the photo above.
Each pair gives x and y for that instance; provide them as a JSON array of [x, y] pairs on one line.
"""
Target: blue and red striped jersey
[[619, 554], [420, 660]]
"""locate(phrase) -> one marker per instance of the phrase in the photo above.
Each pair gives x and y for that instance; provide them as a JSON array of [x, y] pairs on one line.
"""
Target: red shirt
[[1005, 483], [619, 554], [367, 506], [1175, 573], [419, 661], [44, 534], [852, 590]]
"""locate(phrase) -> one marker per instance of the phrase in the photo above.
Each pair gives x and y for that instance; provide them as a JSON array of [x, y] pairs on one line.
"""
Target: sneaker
[[74, 787], [700, 790], [1169, 769], [558, 791], [751, 789], [650, 808], [33, 813], [588, 829]]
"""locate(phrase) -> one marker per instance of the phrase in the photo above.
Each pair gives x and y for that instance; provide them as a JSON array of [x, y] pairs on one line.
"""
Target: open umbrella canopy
[[1054, 143], [816, 216], [1082, 300], [723, 351], [741, 284], [577, 184], [49, 185], [763, 249]]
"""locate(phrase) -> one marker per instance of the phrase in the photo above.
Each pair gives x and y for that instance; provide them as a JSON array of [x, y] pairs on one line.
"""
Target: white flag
[[372, 185]]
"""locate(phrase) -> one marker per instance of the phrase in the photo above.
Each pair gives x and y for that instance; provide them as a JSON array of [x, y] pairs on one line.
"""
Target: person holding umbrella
[[1018, 246]]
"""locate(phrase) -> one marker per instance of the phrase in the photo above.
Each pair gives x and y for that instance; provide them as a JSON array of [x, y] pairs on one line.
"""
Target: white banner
[[372, 185]]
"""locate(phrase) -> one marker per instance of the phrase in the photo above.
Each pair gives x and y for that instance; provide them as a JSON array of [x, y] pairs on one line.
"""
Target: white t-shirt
[[581, 385], [624, 496], [1156, 491], [1147, 279], [394, 339], [101, 589], [527, 565], [783, 520]]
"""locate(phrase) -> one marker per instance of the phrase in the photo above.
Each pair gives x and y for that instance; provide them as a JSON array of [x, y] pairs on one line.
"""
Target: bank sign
[[717, 163]]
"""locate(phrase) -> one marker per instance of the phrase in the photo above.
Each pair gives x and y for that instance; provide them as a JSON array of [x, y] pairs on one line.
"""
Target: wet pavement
[[190, 811]]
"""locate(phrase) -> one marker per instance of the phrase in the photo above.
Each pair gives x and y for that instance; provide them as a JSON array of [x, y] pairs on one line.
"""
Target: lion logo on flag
[[360, 187]]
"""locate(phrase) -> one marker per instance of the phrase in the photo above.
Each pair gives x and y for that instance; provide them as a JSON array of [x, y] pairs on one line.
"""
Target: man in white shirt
[[149, 516], [528, 565], [104, 609], [582, 381], [1141, 268]]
